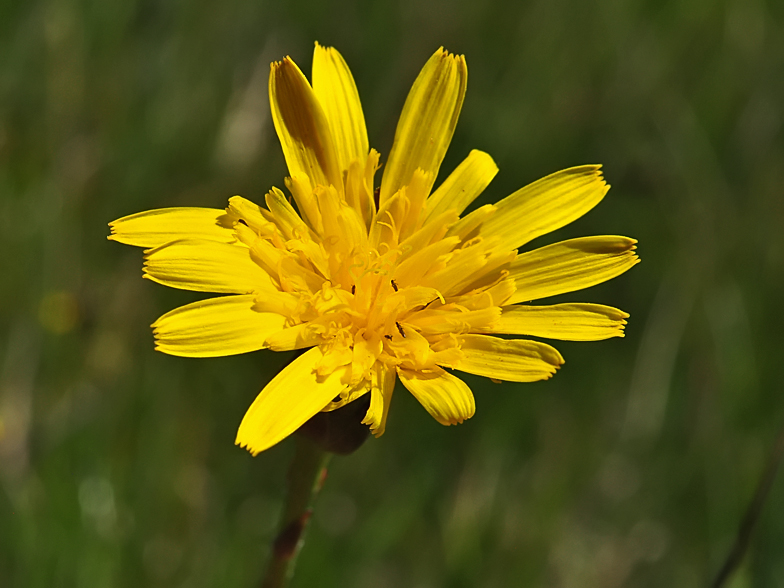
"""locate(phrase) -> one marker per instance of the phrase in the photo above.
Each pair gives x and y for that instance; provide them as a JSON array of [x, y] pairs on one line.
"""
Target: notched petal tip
[[460, 420], [246, 446], [593, 170], [275, 65]]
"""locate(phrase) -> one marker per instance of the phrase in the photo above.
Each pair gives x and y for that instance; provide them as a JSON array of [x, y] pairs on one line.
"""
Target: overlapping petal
[[568, 322], [545, 205], [290, 399], [337, 93], [383, 385], [447, 398], [511, 360], [464, 184], [570, 265], [215, 327], [301, 125], [156, 227], [205, 266]]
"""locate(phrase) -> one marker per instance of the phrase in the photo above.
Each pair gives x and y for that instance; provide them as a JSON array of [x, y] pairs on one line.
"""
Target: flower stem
[[305, 478], [753, 513]]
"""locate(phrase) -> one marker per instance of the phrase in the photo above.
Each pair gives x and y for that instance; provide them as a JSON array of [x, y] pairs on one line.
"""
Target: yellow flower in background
[[378, 283]]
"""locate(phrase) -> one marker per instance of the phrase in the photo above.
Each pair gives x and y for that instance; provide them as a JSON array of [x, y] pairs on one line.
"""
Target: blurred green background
[[632, 467]]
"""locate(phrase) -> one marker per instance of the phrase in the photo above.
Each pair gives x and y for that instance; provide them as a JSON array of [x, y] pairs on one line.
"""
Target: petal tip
[[247, 446]]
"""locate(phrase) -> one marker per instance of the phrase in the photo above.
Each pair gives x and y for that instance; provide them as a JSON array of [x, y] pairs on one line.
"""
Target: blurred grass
[[632, 467]]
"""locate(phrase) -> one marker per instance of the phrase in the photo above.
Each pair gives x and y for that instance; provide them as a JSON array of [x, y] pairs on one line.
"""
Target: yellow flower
[[378, 283]]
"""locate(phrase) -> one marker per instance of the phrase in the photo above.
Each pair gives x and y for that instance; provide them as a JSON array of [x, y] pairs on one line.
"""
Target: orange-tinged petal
[[290, 399], [427, 123], [301, 125]]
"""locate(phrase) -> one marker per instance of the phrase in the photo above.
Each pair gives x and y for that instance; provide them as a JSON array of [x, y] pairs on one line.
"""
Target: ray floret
[[379, 280]]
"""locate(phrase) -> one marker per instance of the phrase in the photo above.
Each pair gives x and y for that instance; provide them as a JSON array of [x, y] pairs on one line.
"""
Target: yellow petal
[[302, 192], [570, 265], [359, 186], [347, 396], [413, 268], [344, 230], [468, 226], [492, 269], [515, 360], [215, 327], [432, 232], [156, 227], [466, 267], [447, 398], [546, 205], [286, 218], [296, 337], [415, 195], [305, 334], [301, 125], [383, 385], [427, 123], [337, 93], [290, 399], [205, 266], [568, 322], [277, 302], [463, 185], [257, 218], [442, 322]]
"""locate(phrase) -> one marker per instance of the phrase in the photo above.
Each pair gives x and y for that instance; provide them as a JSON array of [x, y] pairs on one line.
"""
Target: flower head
[[378, 283]]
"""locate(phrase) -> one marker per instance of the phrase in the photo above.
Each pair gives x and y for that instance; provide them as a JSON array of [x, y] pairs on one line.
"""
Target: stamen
[[392, 225]]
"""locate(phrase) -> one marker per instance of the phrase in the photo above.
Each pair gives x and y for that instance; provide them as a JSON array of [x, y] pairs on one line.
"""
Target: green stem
[[753, 513], [305, 478]]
